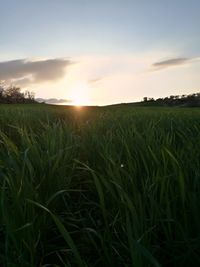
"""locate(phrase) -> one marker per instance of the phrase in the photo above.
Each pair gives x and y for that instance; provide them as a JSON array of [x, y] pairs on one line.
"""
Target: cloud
[[21, 82], [95, 80], [173, 62], [25, 71], [53, 100]]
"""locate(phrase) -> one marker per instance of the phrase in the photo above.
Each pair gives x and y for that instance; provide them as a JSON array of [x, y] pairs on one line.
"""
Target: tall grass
[[99, 186]]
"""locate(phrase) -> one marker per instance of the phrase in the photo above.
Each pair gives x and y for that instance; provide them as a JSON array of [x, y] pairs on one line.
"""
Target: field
[[91, 187]]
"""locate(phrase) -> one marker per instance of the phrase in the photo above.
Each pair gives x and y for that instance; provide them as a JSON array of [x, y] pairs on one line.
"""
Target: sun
[[79, 94], [78, 101]]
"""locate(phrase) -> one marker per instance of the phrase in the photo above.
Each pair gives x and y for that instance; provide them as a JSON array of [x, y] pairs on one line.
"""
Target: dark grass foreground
[[99, 186]]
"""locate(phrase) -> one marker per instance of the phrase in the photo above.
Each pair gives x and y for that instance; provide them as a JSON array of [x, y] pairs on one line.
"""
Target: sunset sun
[[79, 94]]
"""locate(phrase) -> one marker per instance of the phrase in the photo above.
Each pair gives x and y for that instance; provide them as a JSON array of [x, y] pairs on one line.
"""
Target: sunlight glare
[[80, 94]]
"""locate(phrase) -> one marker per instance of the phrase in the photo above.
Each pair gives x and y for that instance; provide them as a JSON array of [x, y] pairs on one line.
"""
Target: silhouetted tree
[[192, 100], [29, 95], [12, 94]]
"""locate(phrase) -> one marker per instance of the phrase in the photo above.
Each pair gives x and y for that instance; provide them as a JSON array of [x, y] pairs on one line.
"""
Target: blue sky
[[104, 35]]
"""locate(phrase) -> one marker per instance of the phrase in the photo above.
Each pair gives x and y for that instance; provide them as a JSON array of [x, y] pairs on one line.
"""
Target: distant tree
[[151, 99], [13, 94], [176, 97], [1, 92], [29, 95], [2, 87], [146, 99], [192, 100]]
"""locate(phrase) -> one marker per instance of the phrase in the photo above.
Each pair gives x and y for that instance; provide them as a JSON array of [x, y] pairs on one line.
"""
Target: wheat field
[[99, 186]]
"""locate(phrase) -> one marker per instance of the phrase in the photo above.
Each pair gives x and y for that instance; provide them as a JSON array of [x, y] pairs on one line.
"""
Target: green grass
[[110, 186]]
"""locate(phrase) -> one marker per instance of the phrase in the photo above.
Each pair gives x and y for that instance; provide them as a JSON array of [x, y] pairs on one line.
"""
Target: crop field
[[99, 186]]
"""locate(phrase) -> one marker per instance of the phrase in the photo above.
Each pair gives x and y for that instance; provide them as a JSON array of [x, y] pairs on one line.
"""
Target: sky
[[99, 52]]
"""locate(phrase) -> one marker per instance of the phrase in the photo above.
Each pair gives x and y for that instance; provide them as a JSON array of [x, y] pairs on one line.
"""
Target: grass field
[[110, 186]]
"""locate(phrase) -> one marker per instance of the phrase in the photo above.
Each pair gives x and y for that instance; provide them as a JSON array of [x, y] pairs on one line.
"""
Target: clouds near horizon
[[53, 100], [104, 79], [26, 71]]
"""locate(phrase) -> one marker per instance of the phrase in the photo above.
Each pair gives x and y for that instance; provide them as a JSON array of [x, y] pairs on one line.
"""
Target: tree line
[[13, 95], [192, 100]]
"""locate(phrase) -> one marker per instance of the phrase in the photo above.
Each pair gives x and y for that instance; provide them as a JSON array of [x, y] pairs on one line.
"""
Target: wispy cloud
[[25, 71], [173, 62], [53, 100], [92, 81]]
